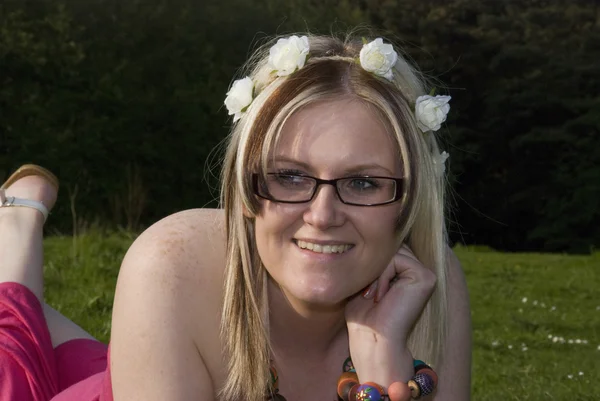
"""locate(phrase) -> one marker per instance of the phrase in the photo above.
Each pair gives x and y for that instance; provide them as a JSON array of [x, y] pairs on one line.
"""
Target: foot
[[21, 250], [33, 188]]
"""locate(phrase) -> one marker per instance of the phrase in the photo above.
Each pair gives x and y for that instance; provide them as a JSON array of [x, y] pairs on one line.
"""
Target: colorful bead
[[415, 390], [274, 378], [398, 391], [432, 374], [369, 392], [348, 365], [352, 393], [417, 362], [345, 383], [425, 383]]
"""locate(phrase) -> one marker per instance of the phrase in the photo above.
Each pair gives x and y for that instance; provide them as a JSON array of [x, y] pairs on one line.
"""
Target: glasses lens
[[367, 190], [288, 188]]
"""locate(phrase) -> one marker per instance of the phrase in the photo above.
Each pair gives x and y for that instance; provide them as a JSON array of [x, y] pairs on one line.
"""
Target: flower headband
[[290, 54]]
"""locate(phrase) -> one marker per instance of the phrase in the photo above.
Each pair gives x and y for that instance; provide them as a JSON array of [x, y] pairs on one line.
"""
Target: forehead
[[338, 136]]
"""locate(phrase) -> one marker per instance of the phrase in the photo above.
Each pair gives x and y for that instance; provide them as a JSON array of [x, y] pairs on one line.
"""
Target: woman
[[331, 244]]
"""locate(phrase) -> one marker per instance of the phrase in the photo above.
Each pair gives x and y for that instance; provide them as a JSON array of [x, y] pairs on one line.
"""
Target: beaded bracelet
[[422, 384]]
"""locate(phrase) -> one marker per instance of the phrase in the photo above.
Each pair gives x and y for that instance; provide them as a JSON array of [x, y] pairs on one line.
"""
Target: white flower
[[439, 162], [239, 97], [378, 58], [287, 55], [431, 111], [524, 300]]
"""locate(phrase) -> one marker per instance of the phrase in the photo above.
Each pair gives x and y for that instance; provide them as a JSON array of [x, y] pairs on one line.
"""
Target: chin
[[319, 295]]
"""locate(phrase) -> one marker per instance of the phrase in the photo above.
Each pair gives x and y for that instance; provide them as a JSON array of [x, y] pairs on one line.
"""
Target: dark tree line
[[123, 99]]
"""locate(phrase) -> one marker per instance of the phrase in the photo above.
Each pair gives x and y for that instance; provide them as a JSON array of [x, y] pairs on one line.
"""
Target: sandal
[[26, 171]]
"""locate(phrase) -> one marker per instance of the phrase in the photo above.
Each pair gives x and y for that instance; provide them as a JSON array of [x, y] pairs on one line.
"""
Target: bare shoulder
[[186, 240], [166, 315]]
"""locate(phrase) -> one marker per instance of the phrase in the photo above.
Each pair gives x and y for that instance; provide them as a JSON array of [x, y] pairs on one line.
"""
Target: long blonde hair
[[330, 72]]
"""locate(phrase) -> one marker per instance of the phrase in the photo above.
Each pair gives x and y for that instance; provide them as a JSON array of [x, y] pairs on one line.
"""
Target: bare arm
[[455, 371], [153, 353]]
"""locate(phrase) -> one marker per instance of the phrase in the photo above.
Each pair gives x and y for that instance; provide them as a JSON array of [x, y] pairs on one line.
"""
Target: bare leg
[[21, 251]]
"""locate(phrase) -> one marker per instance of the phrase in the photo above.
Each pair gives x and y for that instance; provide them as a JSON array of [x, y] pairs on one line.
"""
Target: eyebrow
[[356, 169]]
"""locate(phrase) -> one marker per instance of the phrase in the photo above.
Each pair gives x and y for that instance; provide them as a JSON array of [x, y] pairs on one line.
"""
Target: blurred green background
[[123, 99]]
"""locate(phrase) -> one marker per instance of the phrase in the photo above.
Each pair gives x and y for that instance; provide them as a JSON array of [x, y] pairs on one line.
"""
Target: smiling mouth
[[320, 248]]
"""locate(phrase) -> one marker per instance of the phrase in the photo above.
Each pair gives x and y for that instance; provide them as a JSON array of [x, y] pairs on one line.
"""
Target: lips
[[323, 248]]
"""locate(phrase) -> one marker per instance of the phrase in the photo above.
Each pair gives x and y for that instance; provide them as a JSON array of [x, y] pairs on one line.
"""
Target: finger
[[384, 281], [370, 291], [405, 250]]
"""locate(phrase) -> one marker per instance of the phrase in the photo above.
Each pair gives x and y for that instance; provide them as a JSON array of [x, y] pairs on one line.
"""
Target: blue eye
[[363, 184]]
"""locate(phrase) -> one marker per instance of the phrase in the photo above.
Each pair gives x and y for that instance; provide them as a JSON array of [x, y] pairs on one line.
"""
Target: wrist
[[383, 365]]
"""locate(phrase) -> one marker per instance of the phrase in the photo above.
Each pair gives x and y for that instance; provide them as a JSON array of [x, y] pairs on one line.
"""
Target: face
[[329, 140]]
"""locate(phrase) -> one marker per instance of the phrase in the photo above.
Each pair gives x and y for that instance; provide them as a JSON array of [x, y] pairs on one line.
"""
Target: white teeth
[[341, 248]]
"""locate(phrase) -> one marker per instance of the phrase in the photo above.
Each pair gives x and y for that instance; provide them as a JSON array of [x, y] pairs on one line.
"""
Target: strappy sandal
[[26, 171]]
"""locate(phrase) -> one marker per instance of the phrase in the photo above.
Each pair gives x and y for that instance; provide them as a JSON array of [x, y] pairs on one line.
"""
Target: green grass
[[514, 355]]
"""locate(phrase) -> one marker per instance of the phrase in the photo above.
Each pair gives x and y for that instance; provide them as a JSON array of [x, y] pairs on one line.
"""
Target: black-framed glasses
[[358, 191]]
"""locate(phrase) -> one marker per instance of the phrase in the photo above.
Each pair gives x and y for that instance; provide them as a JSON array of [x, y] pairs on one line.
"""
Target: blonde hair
[[330, 72]]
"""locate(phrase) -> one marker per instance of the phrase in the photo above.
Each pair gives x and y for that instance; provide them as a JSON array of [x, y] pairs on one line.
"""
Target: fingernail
[[369, 291]]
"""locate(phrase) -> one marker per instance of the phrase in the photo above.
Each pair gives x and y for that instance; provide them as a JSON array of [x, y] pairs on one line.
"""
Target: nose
[[324, 209]]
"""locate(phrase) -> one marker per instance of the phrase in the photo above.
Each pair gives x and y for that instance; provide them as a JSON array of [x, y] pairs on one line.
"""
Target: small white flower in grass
[[288, 54], [570, 341], [520, 310], [554, 339], [584, 341], [598, 349], [569, 376], [580, 373], [509, 346], [239, 97], [524, 349], [431, 112], [379, 58], [535, 303], [439, 163], [543, 305], [578, 341], [553, 308], [550, 336], [495, 343], [524, 300]]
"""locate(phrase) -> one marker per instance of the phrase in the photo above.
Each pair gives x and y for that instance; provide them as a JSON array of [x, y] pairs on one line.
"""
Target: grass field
[[536, 317]]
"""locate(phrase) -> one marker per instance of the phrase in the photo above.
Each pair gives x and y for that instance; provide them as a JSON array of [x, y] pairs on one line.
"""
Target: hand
[[380, 320]]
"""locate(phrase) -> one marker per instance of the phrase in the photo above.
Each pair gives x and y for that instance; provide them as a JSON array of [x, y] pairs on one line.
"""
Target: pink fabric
[[31, 370]]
